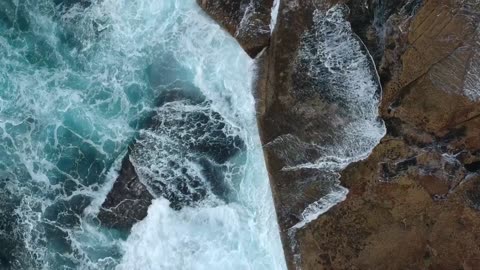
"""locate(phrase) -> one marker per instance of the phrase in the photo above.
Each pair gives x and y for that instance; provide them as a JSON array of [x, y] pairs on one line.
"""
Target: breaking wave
[[77, 81]]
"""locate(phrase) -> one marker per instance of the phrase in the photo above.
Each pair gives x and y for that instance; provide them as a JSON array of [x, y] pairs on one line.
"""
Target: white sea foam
[[274, 14], [80, 104], [316, 209], [241, 235], [472, 77]]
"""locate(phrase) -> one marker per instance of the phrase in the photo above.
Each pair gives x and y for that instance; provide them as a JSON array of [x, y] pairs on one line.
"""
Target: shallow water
[[78, 80]]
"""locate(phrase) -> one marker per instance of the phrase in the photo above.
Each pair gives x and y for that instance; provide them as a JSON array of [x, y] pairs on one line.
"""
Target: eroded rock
[[317, 97], [413, 203], [182, 154]]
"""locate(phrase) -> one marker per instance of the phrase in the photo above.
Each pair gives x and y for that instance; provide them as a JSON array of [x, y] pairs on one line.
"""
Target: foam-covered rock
[[247, 20]]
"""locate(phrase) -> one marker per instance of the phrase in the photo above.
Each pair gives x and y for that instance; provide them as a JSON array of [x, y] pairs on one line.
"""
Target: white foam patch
[[472, 77], [241, 235], [316, 209], [204, 238], [274, 15]]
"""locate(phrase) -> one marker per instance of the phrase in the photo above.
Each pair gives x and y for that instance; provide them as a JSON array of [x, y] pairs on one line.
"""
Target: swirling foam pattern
[[77, 80]]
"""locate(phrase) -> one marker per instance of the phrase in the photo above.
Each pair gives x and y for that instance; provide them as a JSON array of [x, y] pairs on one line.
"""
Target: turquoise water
[[77, 81]]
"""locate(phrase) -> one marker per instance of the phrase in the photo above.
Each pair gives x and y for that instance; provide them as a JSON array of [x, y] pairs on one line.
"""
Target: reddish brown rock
[[419, 220], [413, 204]]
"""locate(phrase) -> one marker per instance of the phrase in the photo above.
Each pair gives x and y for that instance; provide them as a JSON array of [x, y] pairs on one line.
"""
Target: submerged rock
[[128, 201], [247, 20], [182, 155]]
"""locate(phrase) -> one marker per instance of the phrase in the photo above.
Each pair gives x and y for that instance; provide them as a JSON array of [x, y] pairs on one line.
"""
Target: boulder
[[182, 154], [127, 202]]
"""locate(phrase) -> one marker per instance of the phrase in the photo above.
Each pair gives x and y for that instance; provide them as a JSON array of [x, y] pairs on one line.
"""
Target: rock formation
[[247, 20], [128, 201], [180, 154], [317, 96], [414, 202]]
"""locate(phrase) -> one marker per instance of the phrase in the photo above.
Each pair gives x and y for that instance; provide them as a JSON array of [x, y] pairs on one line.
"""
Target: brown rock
[[442, 50], [305, 107], [247, 20], [394, 225], [413, 204]]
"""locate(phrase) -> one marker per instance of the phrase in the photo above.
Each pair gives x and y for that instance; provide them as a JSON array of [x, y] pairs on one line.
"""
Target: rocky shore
[[248, 21], [414, 202], [405, 183]]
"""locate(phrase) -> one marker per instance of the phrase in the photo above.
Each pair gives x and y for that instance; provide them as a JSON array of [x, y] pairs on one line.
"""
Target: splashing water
[[77, 81]]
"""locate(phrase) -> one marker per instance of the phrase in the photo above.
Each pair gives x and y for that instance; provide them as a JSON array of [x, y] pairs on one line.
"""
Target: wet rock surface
[[247, 20], [317, 96], [413, 203], [182, 154], [127, 202]]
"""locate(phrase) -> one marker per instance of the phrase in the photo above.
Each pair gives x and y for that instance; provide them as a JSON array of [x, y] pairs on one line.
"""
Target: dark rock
[[473, 195], [180, 154], [128, 201], [247, 20], [473, 166], [392, 170]]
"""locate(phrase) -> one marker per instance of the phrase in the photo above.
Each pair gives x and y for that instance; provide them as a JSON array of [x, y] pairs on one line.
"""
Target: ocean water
[[78, 81]]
